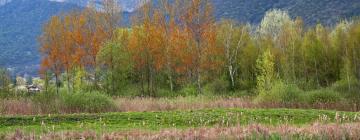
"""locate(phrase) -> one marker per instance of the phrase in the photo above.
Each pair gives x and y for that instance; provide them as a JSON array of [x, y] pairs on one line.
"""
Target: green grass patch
[[108, 122]]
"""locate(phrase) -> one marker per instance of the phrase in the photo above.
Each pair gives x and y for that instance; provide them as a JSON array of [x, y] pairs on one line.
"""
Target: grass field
[[154, 121]]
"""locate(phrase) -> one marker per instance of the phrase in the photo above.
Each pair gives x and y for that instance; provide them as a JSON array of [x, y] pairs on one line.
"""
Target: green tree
[[115, 58], [233, 38], [265, 75], [5, 81]]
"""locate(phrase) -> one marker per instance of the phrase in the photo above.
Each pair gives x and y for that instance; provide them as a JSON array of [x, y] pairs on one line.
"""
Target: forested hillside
[[312, 11], [20, 25]]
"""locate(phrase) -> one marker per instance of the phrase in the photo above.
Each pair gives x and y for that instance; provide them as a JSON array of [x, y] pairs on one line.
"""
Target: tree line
[[179, 44]]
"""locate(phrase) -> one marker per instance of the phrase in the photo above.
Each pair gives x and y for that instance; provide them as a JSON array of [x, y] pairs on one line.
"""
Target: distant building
[[33, 89]]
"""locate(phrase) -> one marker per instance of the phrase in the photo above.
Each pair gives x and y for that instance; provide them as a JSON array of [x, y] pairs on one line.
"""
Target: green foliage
[[347, 78], [281, 93], [165, 93], [79, 83], [5, 82], [219, 87], [48, 101], [322, 96], [116, 59], [92, 102], [265, 76], [348, 89], [189, 90]]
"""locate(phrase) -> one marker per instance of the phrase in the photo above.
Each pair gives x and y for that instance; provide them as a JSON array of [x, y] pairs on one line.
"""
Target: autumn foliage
[[179, 47], [178, 40]]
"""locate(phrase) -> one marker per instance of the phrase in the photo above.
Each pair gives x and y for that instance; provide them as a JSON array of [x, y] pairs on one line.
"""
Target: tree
[[169, 28], [273, 22], [73, 41], [354, 49], [50, 49], [320, 65], [115, 60], [232, 38], [146, 48], [265, 75], [340, 41], [5, 81], [200, 26], [290, 39]]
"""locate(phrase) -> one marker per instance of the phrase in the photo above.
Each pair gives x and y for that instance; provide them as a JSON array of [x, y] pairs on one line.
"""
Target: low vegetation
[[253, 131], [61, 105], [112, 122]]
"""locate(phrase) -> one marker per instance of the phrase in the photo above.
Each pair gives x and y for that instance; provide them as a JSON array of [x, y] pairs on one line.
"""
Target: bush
[[48, 102], [188, 90], [350, 93], [323, 96], [218, 87], [165, 93], [130, 90], [281, 93], [88, 102]]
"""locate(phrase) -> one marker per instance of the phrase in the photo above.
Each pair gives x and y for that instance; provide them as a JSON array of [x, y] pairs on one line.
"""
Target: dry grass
[[192, 103], [180, 103], [28, 107], [17, 106], [315, 131]]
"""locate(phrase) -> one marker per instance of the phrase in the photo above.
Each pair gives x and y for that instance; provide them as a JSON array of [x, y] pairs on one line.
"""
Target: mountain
[[21, 20], [126, 5], [20, 25], [326, 12]]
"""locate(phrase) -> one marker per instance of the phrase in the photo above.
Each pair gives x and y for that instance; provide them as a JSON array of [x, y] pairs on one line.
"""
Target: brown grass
[[17, 106], [27, 107], [314, 131], [180, 103], [192, 103]]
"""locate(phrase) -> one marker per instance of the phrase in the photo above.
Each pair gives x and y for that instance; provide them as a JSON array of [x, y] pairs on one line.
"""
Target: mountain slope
[[312, 11], [20, 25], [126, 5]]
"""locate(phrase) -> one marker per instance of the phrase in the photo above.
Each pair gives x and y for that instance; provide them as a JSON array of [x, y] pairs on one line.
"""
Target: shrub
[[281, 93], [218, 87], [93, 102], [188, 90], [129, 90], [343, 86], [165, 93], [349, 90], [323, 96], [48, 102]]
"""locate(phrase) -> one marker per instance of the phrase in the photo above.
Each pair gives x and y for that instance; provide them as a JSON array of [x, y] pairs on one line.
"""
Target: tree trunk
[[112, 73], [68, 82], [57, 83], [232, 74]]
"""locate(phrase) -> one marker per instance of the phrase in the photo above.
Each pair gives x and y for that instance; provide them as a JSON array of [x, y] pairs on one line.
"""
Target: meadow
[[145, 124]]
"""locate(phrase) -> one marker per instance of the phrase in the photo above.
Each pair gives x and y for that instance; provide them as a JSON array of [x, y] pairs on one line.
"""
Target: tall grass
[[88, 102], [80, 103]]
